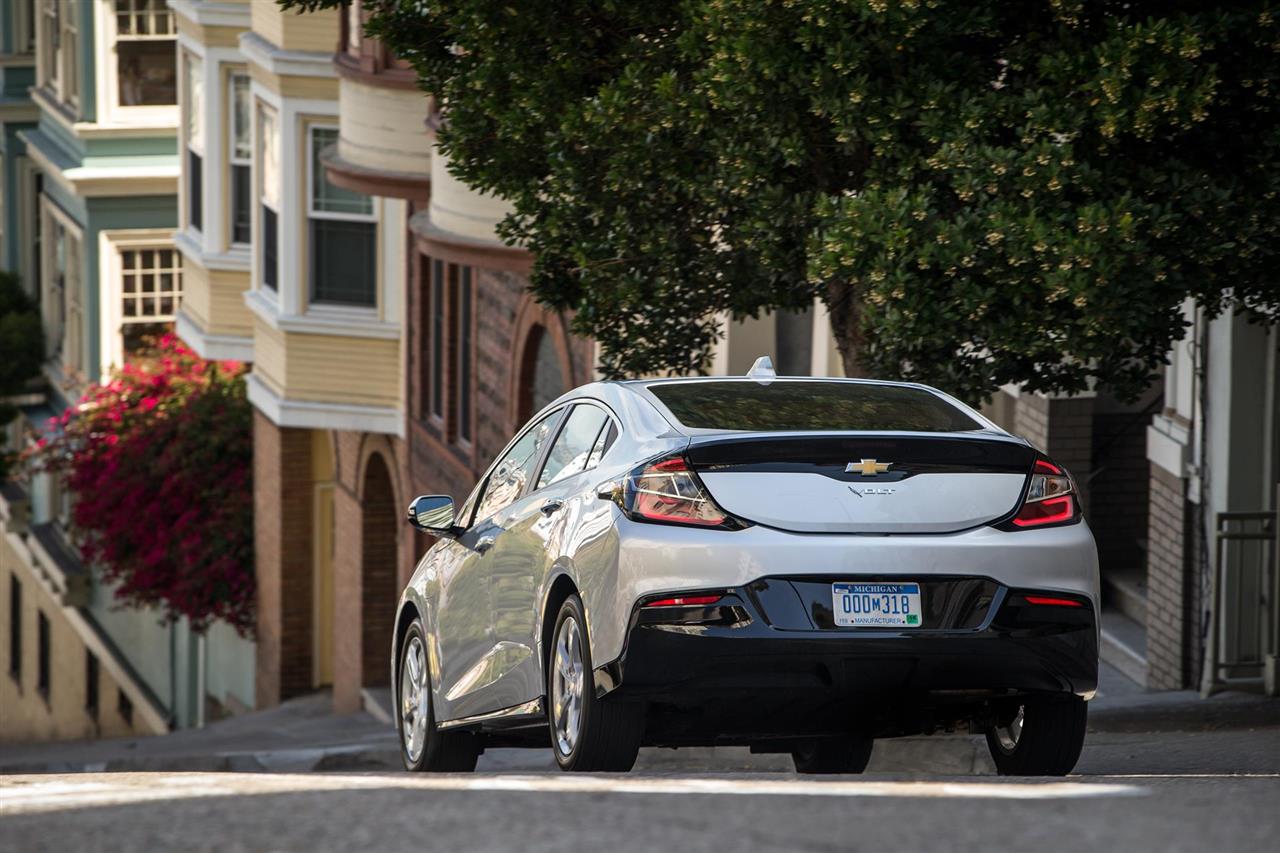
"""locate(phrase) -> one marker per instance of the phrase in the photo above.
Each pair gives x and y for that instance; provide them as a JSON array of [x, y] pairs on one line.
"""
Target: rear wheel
[[1040, 737], [833, 755], [422, 746], [587, 732]]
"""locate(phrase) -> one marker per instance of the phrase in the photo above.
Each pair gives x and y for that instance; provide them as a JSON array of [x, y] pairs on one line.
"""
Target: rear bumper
[[725, 674]]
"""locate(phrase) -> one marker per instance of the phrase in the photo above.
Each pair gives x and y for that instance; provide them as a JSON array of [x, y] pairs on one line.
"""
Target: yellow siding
[[268, 355], [211, 36], [333, 369], [27, 714], [228, 315], [313, 88], [196, 294], [291, 31]]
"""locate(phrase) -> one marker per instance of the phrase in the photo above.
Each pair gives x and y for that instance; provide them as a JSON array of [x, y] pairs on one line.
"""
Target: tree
[[981, 192], [160, 459], [21, 351]]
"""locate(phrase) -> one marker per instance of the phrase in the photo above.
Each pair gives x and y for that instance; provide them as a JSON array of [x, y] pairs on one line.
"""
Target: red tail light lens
[[685, 601], [669, 491], [1049, 601], [1050, 497]]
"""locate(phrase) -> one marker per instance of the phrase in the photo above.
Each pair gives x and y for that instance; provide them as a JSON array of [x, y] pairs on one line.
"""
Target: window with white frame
[[145, 50], [150, 290], [240, 150], [193, 131], [269, 191], [343, 234], [57, 45], [61, 298], [24, 27]]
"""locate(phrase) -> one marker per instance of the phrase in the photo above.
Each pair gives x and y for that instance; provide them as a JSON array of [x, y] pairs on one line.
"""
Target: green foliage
[[21, 350], [981, 192]]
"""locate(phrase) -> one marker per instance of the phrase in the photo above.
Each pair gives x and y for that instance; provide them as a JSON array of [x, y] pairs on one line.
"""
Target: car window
[[607, 436], [571, 451], [515, 468], [790, 405]]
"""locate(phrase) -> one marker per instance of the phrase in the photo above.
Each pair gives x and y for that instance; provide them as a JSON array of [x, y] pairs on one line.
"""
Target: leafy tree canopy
[[981, 191]]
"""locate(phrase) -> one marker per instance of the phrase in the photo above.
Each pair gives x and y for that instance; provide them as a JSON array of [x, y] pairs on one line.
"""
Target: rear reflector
[[684, 601], [1048, 601]]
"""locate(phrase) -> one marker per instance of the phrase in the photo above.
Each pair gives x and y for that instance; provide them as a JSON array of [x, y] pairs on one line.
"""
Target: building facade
[[90, 209]]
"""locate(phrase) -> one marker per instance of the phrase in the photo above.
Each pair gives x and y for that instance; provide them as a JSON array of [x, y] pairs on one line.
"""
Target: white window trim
[[111, 277], [110, 110], [21, 26]]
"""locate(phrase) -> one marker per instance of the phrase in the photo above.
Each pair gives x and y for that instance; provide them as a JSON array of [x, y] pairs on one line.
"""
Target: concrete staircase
[[1124, 622]]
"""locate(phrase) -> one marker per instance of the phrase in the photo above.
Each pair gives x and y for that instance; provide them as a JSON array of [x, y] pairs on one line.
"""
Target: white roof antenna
[[762, 370]]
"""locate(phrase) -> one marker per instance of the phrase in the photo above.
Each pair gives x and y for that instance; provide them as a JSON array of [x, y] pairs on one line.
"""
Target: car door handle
[[484, 543], [551, 505]]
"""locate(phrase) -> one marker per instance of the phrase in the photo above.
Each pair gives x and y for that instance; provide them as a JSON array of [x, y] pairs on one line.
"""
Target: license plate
[[876, 605]]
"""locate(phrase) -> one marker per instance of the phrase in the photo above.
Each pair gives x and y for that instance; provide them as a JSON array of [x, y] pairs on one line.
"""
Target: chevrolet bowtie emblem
[[867, 467]]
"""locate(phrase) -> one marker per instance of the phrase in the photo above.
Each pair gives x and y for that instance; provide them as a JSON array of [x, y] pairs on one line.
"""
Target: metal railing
[[1245, 592]]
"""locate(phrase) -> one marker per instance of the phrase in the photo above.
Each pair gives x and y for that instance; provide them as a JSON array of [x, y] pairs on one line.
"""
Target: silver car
[[797, 565]]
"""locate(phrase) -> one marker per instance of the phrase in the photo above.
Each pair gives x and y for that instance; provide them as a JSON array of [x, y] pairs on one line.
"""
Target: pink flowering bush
[[159, 460]]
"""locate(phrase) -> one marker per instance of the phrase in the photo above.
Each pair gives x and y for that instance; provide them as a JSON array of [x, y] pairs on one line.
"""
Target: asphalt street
[[1159, 772], [687, 812]]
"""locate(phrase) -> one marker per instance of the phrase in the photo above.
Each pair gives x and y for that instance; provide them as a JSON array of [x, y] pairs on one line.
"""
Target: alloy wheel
[[1008, 736], [414, 700], [567, 685]]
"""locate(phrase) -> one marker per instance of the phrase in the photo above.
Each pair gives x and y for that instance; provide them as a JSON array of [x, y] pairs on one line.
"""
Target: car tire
[[588, 733], [1042, 737], [833, 755], [423, 748]]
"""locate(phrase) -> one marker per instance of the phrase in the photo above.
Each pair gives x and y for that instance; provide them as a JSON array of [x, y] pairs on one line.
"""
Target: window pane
[[783, 406], [464, 354], [147, 75], [194, 102], [510, 474], [240, 145], [342, 262], [241, 199], [326, 197], [270, 257], [437, 338], [569, 454], [195, 193], [270, 159]]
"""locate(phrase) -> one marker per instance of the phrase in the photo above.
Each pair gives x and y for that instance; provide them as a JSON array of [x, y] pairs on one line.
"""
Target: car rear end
[[824, 556]]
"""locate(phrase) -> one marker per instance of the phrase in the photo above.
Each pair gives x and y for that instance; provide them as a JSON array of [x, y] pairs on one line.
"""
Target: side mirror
[[432, 514]]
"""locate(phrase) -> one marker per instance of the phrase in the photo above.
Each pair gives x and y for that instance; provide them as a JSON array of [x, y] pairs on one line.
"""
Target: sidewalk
[[1129, 733]]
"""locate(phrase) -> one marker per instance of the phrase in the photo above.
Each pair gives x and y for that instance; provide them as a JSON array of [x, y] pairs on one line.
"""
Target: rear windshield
[[791, 406]]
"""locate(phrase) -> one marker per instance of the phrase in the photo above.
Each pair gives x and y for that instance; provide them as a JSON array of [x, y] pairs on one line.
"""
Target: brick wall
[[1170, 633], [436, 466], [1062, 428], [282, 542]]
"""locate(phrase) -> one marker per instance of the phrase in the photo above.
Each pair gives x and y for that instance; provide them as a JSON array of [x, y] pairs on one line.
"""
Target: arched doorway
[[542, 377], [377, 572]]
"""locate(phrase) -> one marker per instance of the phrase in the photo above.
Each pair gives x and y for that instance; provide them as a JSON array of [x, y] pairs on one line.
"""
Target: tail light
[[668, 491], [1051, 498]]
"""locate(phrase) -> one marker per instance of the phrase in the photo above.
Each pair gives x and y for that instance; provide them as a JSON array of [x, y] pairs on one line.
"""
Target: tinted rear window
[[790, 406]]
